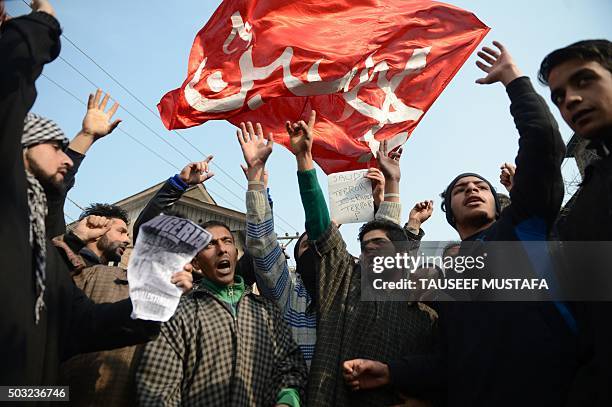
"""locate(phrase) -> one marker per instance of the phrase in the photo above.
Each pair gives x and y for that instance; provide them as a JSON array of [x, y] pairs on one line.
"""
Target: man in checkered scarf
[[46, 164]]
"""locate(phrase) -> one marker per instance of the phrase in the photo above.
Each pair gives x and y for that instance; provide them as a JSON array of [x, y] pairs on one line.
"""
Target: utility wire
[[156, 115], [76, 204], [118, 128], [159, 136], [133, 138]]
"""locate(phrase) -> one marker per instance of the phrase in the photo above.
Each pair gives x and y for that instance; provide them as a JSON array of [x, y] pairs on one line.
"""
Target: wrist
[[510, 74], [86, 133], [304, 161], [255, 173], [179, 182], [78, 236], [256, 186], [414, 225], [392, 187]]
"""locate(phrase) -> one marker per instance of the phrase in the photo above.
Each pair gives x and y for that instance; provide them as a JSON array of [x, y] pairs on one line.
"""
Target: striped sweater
[[274, 279]]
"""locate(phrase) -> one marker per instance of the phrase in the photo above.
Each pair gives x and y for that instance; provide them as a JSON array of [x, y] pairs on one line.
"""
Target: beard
[[110, 249], [53, 184], [478, 219]]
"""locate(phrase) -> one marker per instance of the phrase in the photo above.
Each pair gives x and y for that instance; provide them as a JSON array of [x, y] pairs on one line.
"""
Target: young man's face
[[217, 260], [375, 243], [114, 242], [48, 163], [472, 202], [582, 90]]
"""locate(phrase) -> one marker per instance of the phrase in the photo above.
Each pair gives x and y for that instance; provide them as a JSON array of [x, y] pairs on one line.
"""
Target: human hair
[[394, 232], [212, 223], [106, 210], [588, 50], [448, 247]]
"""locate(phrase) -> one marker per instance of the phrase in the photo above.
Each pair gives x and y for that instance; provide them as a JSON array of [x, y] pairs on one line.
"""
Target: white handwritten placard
[[350, 197]]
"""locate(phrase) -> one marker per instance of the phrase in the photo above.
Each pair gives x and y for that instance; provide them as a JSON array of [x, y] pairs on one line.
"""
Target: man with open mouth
[[225, 345]]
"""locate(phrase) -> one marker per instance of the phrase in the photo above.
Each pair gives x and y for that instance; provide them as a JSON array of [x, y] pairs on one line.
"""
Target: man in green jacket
[[225, 346], [349, 328]]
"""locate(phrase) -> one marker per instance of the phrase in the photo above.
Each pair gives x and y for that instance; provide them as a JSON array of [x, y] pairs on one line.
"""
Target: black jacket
[[70, 323], [590, 220], [506, 353], [162, 202]]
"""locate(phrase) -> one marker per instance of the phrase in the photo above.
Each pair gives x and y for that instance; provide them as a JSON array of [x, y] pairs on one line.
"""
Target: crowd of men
[[304, 337]]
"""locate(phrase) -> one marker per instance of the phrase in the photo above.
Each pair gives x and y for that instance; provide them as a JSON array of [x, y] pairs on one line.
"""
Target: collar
[[601, 145], [90, 257], [227, 293]]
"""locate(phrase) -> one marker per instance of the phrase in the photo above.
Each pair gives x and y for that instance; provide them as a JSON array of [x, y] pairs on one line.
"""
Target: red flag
[[370, 68]]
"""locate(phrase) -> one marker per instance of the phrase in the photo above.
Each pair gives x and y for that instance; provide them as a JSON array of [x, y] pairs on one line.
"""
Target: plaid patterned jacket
[[275, 280], [102, 378], [205, 356], [350, 328]]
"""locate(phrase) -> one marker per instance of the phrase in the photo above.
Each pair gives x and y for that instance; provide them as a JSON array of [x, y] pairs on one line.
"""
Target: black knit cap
[[446, 204]]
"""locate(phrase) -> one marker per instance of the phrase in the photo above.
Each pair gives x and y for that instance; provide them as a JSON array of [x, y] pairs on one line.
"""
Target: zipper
[[231, 295]]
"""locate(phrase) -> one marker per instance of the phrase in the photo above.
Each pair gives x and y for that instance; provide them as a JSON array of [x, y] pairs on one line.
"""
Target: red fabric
[[361, 47]]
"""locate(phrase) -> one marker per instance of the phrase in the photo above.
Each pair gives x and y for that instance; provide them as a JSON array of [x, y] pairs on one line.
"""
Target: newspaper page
[[165, 244], [350, 197]]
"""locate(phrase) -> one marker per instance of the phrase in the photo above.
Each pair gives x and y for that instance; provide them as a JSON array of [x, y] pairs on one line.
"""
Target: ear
[[195, 264], [26, 161]]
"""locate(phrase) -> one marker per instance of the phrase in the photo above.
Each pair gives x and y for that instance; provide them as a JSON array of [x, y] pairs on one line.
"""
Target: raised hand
[[419, 214], [499, 66], [42, 5], [198, 172], [301, 135], [92, 228], [363, 374], [388, 162], [255, 148], [378, 185], [98, 123], [506, 177]]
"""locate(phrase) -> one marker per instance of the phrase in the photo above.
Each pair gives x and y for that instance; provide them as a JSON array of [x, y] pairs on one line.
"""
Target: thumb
[[271, 140], [114, 125]]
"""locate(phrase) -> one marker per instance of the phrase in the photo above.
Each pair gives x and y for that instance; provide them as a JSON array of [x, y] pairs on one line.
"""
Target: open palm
[[255, 147], [97, 122], [498, 65]]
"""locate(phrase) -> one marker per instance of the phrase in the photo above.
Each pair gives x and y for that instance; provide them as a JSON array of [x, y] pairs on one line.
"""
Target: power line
[[156, 115], [130, 136], [76, 204], [159, 136], [118, 128]]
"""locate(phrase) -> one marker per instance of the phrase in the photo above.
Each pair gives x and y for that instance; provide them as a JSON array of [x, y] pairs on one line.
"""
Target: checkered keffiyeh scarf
[[39, 130]]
